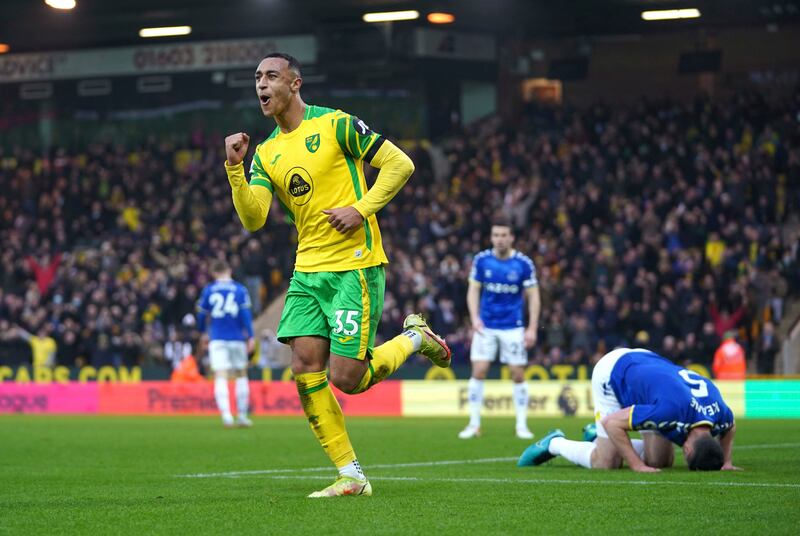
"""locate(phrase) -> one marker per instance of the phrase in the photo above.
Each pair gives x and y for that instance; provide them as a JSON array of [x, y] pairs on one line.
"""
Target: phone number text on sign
[[202, 56]]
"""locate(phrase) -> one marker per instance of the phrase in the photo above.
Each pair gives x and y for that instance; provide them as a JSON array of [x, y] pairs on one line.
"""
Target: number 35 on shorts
[[346, 322], [348, 334]]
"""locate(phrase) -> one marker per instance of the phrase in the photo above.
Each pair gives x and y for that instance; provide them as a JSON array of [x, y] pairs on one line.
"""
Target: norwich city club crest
[[312, 143]]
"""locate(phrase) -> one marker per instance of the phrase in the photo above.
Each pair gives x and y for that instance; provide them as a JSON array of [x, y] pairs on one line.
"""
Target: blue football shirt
[[503, 283], [667, 398], [227, 304]]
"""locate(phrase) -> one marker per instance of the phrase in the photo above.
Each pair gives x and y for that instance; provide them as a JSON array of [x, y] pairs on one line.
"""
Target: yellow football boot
[[433, 347]]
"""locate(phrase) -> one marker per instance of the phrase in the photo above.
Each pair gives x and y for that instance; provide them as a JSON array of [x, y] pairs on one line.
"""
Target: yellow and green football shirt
[[319, 166]]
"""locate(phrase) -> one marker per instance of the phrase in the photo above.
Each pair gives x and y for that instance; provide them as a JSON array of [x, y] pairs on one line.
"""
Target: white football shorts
[[227, 355], [511, 343], [605, 401]]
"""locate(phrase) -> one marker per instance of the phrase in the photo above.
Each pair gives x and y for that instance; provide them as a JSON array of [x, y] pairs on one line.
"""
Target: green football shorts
[[344, 307]]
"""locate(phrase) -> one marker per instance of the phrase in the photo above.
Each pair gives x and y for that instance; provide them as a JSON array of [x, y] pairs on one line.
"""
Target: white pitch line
[[767, 446], [329, 468], [424, 464], [548, 481]]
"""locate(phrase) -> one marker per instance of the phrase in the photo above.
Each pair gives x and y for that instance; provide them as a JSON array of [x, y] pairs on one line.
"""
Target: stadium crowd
[[657, 226], [104, 252]]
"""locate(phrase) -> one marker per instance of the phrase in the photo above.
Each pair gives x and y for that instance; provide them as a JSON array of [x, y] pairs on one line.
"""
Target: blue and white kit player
[[638, 390], [226, 305], [500, 281]]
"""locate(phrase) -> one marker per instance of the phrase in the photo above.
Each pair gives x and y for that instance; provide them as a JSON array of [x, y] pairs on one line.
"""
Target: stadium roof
[[30, 25]]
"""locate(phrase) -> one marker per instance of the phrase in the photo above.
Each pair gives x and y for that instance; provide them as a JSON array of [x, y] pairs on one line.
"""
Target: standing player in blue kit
[[499, 282], [227, 304]]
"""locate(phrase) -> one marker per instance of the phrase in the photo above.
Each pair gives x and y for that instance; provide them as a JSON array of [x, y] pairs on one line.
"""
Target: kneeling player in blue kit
[[636, 389]]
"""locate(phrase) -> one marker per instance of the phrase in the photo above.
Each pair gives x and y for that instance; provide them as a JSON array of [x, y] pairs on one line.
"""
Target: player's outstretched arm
[[617, 427], [726, 442], [251, 203]]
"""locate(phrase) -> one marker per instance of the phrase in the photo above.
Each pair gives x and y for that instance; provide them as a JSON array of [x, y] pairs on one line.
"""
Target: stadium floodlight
[[391, 16], [60, 4], [4, 48], [671, 14], [166, 31], [441, 18]]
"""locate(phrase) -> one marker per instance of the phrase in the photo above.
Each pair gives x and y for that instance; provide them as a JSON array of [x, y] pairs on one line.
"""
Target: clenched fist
[[236, 147]]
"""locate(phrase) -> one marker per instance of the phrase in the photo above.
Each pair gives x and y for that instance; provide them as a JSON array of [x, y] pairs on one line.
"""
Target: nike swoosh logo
[[275, 159], [345, 339]]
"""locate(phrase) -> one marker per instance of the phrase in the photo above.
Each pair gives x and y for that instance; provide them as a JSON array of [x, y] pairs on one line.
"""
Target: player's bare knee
[[659, 460], [304, 361], [517, 374], [301, 367], [659, 463], [606, 462], [345, 381], [605, 455], [599, 461], [658, 451], [480, 370], [309, 354]]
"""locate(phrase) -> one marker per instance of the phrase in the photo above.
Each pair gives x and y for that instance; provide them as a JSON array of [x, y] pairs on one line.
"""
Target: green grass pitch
[[127, 475]]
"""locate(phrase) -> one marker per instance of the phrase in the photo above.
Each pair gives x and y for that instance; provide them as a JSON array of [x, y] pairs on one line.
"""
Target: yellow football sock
[[386, 358], [325, 416]]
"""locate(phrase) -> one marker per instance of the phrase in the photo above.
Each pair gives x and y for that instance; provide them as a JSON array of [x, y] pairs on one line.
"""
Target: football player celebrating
[[313, 164]]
